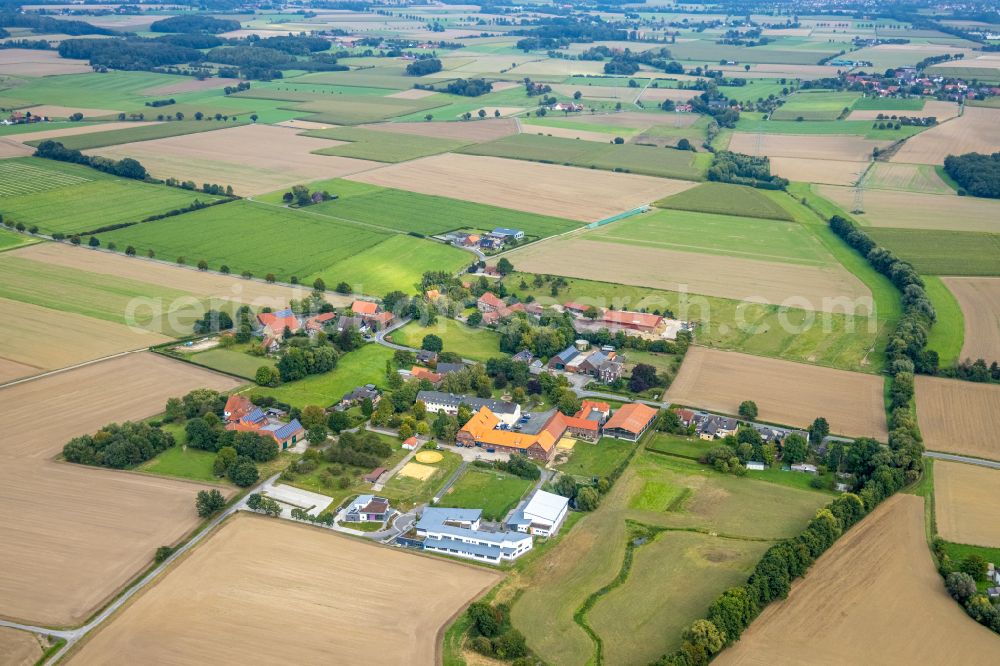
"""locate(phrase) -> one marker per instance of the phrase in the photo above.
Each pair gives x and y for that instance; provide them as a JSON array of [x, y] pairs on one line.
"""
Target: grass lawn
[[799, 480], [596, 460], [815, 105], [231, 361], [664, 162], [357, 368], [948, 333], [366, 526], [138, 133], [726, 199], [405, 491], [69, 198], [369, 144], [477, 344], [678, 445], [10, 240], [184, 462], [496, 493]]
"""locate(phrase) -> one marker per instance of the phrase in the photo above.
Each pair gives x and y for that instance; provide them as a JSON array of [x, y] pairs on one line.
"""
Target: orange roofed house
[[243, 416], [630, 422], [364, 308], [586, 423], [481, 430]]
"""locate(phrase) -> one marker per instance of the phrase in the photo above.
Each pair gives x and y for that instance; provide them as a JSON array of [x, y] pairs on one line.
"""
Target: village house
[[715, 427], [316, 323], [367, 509], [273, 324], [426, 357], [419, 372], [459, 533], [630, 422], [570, 107], [586, 424], [364, 308], [489, 302], [359, 395], [242, 415], [345, 323], [542, 515], [484, 429], [411, 444], [509, 413]]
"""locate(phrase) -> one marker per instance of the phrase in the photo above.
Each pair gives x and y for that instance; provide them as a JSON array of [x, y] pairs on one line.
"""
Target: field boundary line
[[57, 371]]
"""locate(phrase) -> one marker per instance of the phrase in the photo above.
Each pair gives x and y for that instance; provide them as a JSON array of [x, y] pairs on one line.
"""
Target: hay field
[[915, 210], [817, 147], [785, 392], [18, 648], [74, 131], [959, 417], [578, 194], [658, 95], [828, 172], [932, 109], [980, 302], [77, 534], [567, 133], [966, 503], [907, 178], [976, 130], [56, 111], [252, 158], [301, 609], [32, 62], [489, 129], [807, 287], [873, 598]]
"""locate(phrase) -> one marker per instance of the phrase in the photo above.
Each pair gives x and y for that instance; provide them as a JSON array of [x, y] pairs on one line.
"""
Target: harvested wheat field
[[242, 584], [785, 392], [806, 287], [13, 370], [18, 648], [75, 535], [304, 124], [252, 158], [11, 147], [873, 598], [966, 503], [55, 111], [959, 417], [846, 148], [770, 70], [932, 109], [33, 62], [658, 95], [567, 133], [907, 178], [73, 131], [41, 339], [980, 302], [976, 130], [915, 210], [586, 195], [412, 93], [830, 172], [200, 284], [477, 131], [189, 84]]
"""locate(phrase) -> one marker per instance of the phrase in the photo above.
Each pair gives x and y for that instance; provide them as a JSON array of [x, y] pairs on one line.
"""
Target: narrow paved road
[[962, 459]]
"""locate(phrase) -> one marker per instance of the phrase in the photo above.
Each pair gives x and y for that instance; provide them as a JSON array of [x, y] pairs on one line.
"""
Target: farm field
[[496, 493], [245, 597], [368, 144], [854, 128], [804, 146], [478, 344], [252, 158], [907, 178], [786, 393], [229, 361], [916, 210], [19, 648], [68, 558], [68, 198], [357, 368], [489, 129], [947, 336], [726, 199], [897, 107], [892, 581], [100, 136], [31, 62], [10, 240], [568, 192], [959, 417], [965, 503], [630, 158], [815, 105], [977, 129], [942, 252], [827, 172], [979, 299]]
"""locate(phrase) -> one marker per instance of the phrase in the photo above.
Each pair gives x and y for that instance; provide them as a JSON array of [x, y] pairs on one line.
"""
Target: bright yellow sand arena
[[417, 471], [566, 444], [429, 457]]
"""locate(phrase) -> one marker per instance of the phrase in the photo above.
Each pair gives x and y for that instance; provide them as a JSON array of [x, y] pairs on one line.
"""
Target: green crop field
[[588, 460], [360, 109], [728, 235], [230, 361], [496, 493], [826, 127], [138, 133], [399, 210], [382, 146], [726, 199], [390, 78], [948, 333], [10, 240], [707, 51], [815, 105], [68, 198], [943, 252], [679, 445], [665, 162], [578, 123], [889, 103], [356, 368], [478, 344]]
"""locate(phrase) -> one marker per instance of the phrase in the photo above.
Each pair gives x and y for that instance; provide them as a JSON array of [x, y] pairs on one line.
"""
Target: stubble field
[[482, 130], [874, 597], [979, 299], [916, 210], [77, 534], [959, 417], [828, 172], [290, 593], [32, 62], [966, 503], [807, 146], [18, 648], [976, 130], [578, 194], [907, 178], [785, 392]]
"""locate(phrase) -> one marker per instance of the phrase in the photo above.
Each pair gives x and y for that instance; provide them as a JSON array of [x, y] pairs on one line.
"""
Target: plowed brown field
[[966, 503], [785, 392], [267, 591], [873, 598], [980, 302], [959, 417]]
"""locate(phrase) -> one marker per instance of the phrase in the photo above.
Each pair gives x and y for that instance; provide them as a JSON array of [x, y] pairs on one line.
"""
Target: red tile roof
[[489, 299], [364, 307], [625, 318]]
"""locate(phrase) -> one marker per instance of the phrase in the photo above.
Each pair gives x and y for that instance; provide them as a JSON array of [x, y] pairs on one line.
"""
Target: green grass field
[[478, 344], [889, 104], [230, 361], [726, 199], [727, 235], [825, 127], [405, 491], [589, 460], [678, 445], [138, 133], [664, 162], [10, 240], [68, 198], [382, 146], [943, 252], [948, 333], [183, 462], [496, 493], [815, 105]]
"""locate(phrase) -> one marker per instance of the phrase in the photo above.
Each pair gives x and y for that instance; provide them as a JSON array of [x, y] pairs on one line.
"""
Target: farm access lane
[[951, 457]]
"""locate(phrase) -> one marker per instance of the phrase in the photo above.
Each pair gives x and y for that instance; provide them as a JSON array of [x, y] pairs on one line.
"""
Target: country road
[[951, 457]]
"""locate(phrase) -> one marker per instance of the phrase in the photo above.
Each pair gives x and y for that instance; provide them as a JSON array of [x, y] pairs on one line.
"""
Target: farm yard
[[74, 557], [244, 596], [979, 299], [892, 582], [959, 417], [786, 393], [965, 503]]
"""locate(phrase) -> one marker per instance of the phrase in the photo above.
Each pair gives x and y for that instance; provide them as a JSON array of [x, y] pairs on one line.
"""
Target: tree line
[[123, 168]]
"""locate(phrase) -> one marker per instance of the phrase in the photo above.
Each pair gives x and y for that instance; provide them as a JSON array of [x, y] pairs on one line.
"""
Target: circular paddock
[[429, 457]]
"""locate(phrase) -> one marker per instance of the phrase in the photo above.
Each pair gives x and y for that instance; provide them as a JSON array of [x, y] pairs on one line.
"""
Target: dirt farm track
[[73, 535], [873, 598], [261, 590]]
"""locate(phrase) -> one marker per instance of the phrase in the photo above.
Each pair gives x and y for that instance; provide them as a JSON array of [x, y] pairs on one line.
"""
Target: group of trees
[[118, 446], [263, 504], [301, 196], [194, 23], [209, 502], [423, 66], [366, 450], [977, 174], [960, 580], [730, 167], [296, 363], [213, 321], [491, 634], [124, 168]]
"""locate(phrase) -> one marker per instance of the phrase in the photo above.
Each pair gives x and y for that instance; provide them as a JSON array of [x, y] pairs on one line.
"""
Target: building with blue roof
[[458, 532]]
